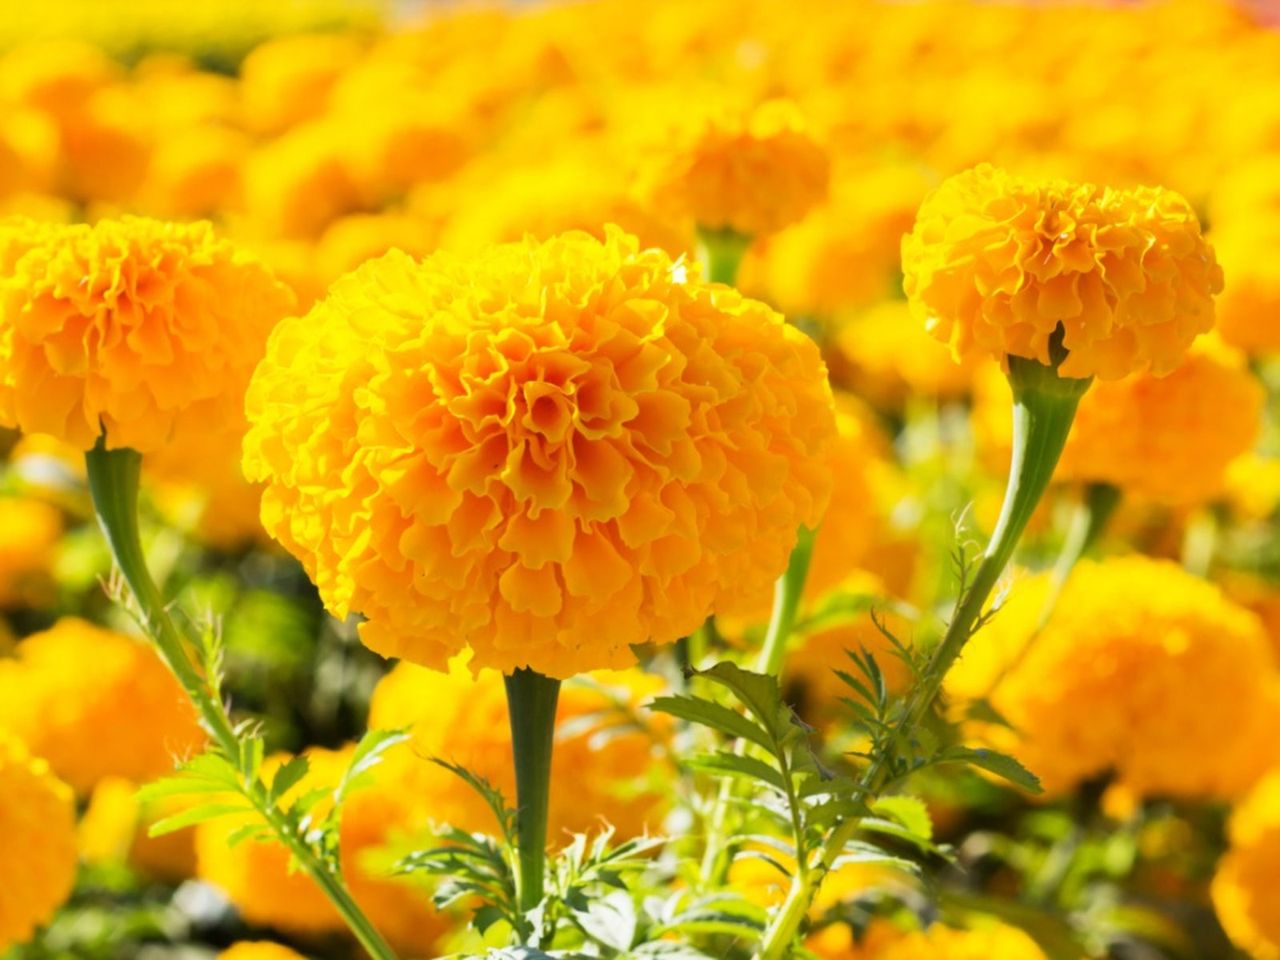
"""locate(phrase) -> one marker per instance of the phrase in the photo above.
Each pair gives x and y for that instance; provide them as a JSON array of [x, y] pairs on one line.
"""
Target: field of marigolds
[[666, 480]]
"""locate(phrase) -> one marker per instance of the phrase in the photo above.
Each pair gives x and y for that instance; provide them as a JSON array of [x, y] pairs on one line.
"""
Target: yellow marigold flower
[[196, 173], [298, 184], [753, 172], [1253, 485], [139, 328], [287, 80], [996, 263], [891, 359], [990, 941], [350, 241], [1169, 439], [257, 878], [96, 703], [1244, 890], [1139, 670], [1249, 308], [259, 950], [114, 829], [545, 454], [615, 769], [38, 823], [55, 76], [29, 534]]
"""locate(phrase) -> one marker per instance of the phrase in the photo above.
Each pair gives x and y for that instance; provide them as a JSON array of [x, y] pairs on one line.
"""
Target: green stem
[[786, 601], [1091, 517], [1043, 409], [113, 483], [531, 703], [722, 252]]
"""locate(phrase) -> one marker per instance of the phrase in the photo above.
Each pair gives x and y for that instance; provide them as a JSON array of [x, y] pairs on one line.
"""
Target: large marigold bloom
[[1244, 888], [257, 877], [547, 453], [96, 703], [615, 767], [752, 171], [1138, 671], [1168, 439], [995, 263], [259, 950], [139, 328], [38, 855]]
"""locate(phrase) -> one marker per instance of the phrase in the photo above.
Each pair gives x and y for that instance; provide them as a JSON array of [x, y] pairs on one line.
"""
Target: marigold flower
[[882, 941], [547, 453], [996, 263], [1244, 890], [114, 829], [259, 950], [67, 685], [38, 823], [1169, 439], [615, 768], [1138, 671], [752, 172], [140, 329], [256, 876], [1250, 302], [29, 534]]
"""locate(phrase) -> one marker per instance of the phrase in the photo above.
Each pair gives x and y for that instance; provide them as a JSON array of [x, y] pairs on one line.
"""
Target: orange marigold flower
[[1169, 439], [137, 328], [114, 829], [1138, 671], [882, 941], [547, 453], [615, 767], [259, 950], [996, 263], [68, 684], [257, 877], [1244, 889], [29, 534], [753, 172], [38, 823]]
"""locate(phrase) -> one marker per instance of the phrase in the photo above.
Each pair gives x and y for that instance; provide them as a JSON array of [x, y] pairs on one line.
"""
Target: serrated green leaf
[[250, 831], [610, 920], [288, 776], [368, 754], [1000, 764], [909, 812], [192, 816], [725, 764], [708, 713], [759, 693]]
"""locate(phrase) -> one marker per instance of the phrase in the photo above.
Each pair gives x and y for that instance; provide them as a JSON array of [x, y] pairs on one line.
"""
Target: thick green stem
[[1044, 406], [113, 483], [531, 703], [722, 252], [786, 601]]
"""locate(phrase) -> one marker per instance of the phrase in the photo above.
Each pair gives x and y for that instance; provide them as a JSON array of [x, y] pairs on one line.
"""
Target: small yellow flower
[[751, 171], [1138, 671], [95, 703], [38, 822], [547, 453], [1244, 890], [29, 534], [133, 327], [995, 264]]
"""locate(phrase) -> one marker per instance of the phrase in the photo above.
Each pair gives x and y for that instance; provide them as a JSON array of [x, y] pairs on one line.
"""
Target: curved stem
[[113, 483], [1044, 407], [722, 252], [531, 704], [786, 601]]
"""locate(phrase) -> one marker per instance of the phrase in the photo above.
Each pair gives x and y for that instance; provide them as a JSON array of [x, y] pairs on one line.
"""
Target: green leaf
[[192, 816], [713, 715], [207, 773], [1000, 764], [610, 920], [858, 851], [910, 812], [725, 764], [759, 693], [288, 776], [369, 753]]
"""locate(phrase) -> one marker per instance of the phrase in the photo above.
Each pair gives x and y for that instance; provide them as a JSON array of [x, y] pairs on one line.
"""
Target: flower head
[[133, 327], [259, 950], [38, 822], [1138, 671], [67, 685], [547, 453], [991, 941], [751, 171], [996, 263], [29, 534], [1244, 890]]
